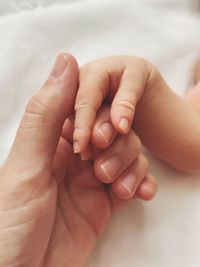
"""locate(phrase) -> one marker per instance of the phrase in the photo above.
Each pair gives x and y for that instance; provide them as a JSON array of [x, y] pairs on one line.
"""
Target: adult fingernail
[[124, 124], [59, 67], [106, 131], [111, 167], [76, 147], [128, 182]]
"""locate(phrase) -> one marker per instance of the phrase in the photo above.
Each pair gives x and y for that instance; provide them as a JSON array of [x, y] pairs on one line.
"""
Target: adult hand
[[52, 207]]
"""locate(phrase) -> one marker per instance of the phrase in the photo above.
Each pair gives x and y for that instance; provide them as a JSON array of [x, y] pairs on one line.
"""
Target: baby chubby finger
[[115, 159], [93, 84], [103, 132], [130, 90], [126, 184], [120, 77]]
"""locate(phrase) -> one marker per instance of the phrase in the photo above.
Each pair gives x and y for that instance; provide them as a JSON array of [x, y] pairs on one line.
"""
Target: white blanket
[[161, 233]]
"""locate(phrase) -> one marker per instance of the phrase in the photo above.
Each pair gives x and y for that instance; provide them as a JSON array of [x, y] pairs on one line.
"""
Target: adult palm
[[52, 208], [83, 208], [59, 216]]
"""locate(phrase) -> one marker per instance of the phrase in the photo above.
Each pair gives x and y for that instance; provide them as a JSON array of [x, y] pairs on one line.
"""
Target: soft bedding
[[166, 231]]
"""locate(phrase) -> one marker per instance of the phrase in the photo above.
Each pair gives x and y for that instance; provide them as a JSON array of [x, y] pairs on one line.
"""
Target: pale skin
[[52, 206], [167, 125], [141, 100]]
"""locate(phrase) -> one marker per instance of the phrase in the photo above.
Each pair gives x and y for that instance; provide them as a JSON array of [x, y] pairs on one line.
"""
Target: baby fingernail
[[106, 131], [128, 182], [59, 67], [76, 147], [111, 167], [124, 124]]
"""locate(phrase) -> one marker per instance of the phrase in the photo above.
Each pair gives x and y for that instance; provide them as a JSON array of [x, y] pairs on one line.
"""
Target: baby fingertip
[[81, 138], [76, 147], [124, 125]]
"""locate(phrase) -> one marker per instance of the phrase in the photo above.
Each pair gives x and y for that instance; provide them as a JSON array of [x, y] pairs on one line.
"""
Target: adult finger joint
[[36, 113]]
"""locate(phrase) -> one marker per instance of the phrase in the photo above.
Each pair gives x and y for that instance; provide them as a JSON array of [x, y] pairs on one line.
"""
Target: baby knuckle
[[93, 70], [127, 104], [82, 104], [86, 68]]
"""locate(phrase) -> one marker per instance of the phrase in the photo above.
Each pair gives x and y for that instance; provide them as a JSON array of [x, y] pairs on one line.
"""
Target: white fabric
[[166, 231]]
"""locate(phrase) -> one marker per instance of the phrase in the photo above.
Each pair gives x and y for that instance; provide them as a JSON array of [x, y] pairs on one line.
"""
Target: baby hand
[[165, 123], [120, 80]]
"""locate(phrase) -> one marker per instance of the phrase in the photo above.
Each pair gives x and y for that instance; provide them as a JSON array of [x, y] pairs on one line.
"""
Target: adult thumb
[[41, 125]]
